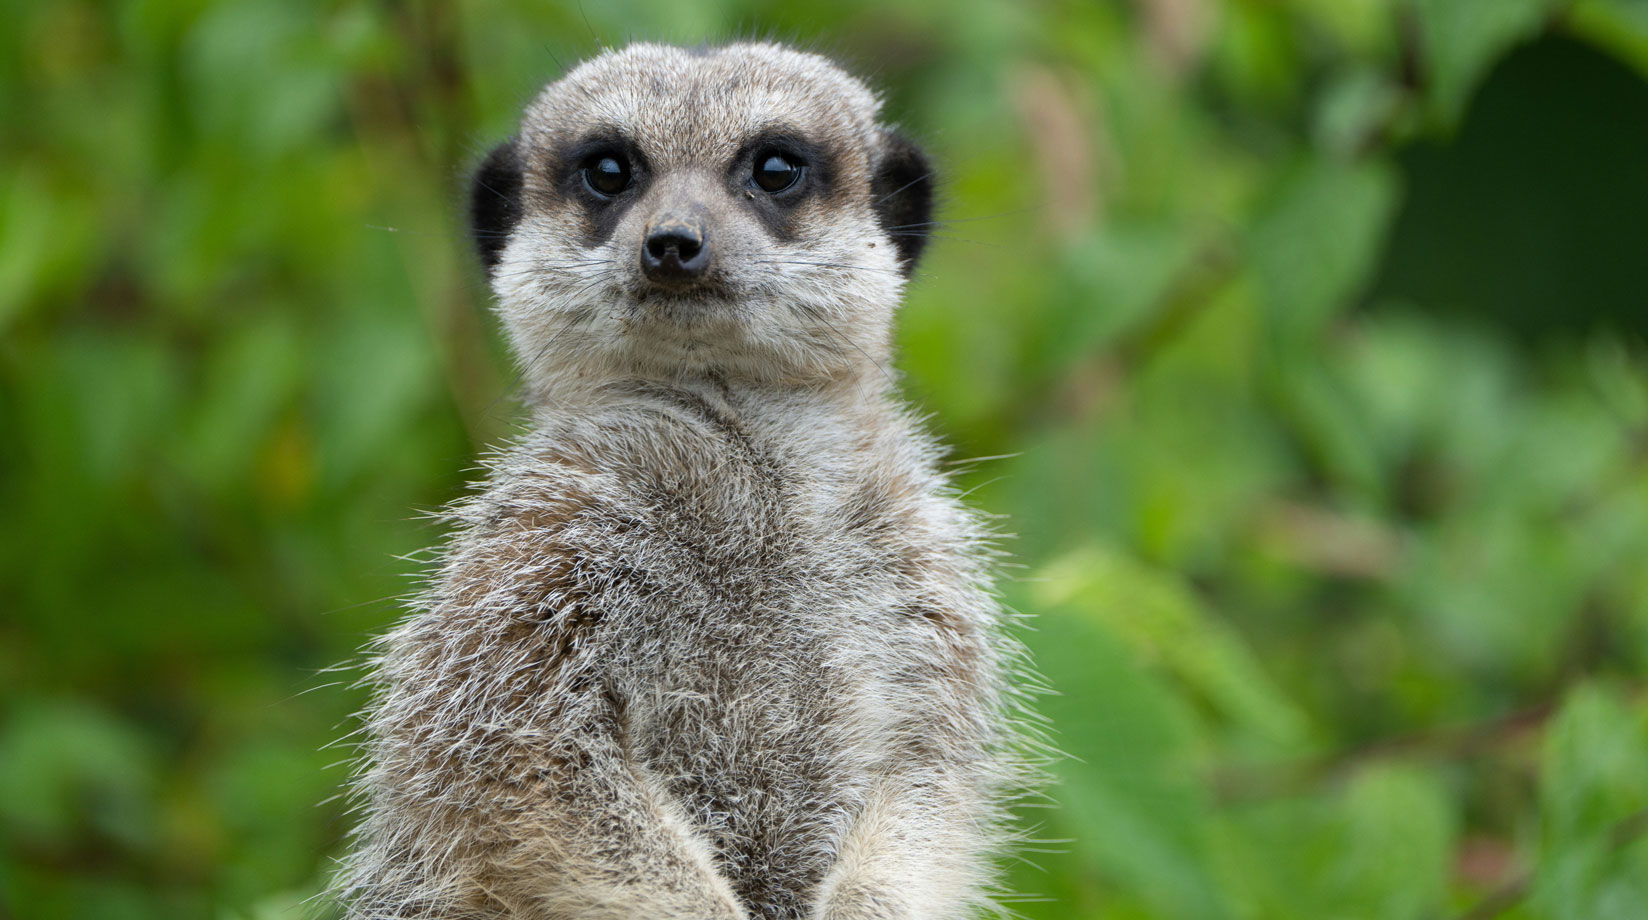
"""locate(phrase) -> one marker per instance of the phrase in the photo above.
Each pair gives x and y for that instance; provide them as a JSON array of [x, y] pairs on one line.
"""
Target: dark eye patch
[[774, 172], [603, 174]]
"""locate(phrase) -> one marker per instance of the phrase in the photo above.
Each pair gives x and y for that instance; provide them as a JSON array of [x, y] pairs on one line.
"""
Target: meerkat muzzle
[[675, 251]]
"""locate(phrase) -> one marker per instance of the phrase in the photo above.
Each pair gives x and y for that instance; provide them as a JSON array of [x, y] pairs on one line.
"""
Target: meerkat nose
[[675, 251]]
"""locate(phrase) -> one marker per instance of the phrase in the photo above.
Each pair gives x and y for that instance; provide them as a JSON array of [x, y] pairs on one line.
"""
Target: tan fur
[[715, 640]]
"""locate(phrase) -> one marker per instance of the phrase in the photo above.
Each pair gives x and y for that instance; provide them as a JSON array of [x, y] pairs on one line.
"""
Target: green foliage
[[1338, 579], [1463, 38], [1594, 805]]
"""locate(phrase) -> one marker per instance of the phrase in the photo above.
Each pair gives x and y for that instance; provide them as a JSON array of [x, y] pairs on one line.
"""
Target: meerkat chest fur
[[772, 594], [714, 639]]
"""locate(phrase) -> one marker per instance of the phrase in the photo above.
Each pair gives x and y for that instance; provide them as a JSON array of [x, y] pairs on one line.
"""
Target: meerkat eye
[[775, 172], [606, 175]]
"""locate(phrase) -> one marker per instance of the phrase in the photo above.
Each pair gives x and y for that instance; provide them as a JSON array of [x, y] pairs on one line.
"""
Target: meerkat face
[[666, 212]]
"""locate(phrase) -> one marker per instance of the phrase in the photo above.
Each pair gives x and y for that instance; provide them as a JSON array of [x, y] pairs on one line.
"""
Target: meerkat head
[[666, 212]]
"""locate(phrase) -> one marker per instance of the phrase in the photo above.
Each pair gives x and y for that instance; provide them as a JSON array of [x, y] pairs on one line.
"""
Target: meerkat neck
[[847, 395], [827, 427]]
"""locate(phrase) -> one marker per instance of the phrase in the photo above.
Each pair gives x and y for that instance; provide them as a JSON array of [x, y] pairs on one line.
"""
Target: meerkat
[[715, 639]]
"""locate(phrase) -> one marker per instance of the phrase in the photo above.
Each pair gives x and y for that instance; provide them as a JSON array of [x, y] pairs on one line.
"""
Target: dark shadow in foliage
[[1535, 215]]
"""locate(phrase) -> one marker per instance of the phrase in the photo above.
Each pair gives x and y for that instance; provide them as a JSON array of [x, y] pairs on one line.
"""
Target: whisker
[[919, 179], [577, 318], [937, 222], [538, 268], [943, 236], [858, 268], [818, 314]]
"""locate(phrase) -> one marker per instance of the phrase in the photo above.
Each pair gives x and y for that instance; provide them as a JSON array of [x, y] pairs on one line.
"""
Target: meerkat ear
[[495, 202], [902, 191]]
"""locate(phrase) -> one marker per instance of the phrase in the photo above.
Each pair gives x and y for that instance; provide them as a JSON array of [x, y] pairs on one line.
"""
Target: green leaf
[[1618, 26], [70, 768], [1162, 620], [1400, 826], [249, 377], [1594, 809], [1127, 788], [1354, 108], [1330, 426], [1380, 849], [1461, 39], [1319, 241], [1118, 275]]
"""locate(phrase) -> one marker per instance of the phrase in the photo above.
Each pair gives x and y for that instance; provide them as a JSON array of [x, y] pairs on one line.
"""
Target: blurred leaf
[[123, 397], [1594, 809], [1382, 848], [225, 56], [1258, 53], [1399, 844], [1461, 38], [1318, 241], [252, 787], [1621, 26], [68, 767], [1364, 25], [25, 241], [281, 906], [1162, 620], [1277, 858], [375, 371], [250, 376], [1331, 428], [1117, 276], [1355, 109], [1126, 784]]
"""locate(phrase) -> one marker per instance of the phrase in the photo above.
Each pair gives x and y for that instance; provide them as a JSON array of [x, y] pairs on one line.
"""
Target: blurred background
[[1316, 332]]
